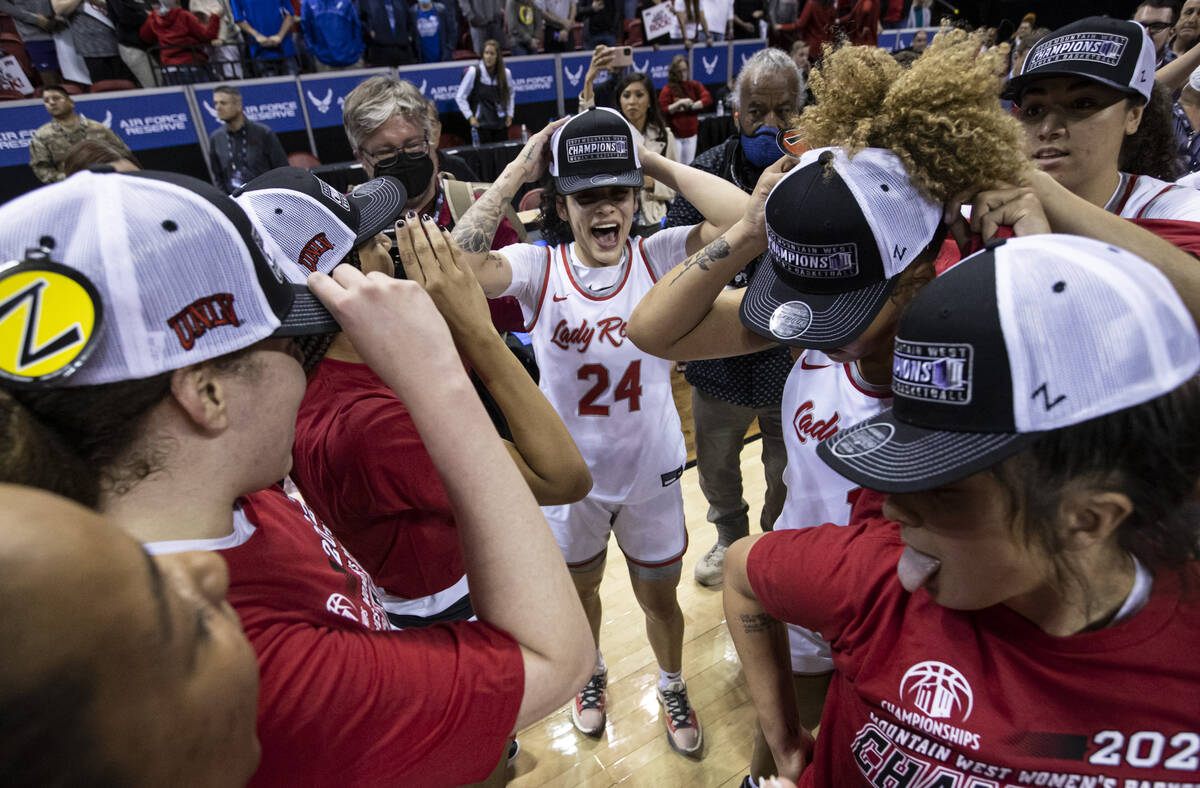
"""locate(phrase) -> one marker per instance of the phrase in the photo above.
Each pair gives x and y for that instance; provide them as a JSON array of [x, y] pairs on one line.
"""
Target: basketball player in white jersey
[[616, 400]]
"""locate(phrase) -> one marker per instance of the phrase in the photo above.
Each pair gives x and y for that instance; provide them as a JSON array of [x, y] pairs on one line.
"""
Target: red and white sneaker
[[683, 729], [587, 711]]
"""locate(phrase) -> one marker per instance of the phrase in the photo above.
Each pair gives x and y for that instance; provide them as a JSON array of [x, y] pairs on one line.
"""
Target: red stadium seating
[[109, 85]]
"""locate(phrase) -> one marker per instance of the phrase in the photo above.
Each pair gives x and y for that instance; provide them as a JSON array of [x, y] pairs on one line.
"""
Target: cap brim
[[570, 184], [889, 456], [835, 318], [306, 316], [1014, 86], [380, 202]]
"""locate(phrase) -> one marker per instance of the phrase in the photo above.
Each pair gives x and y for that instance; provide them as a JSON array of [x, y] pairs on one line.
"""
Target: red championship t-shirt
[[344, 699], [359, 462], [928, 697]]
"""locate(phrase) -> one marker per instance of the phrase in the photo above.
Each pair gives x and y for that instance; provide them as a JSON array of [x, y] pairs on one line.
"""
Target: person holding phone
[[600, 82]]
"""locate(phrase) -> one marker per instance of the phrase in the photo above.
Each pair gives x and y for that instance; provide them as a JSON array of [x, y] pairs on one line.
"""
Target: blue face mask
[[761, 149]]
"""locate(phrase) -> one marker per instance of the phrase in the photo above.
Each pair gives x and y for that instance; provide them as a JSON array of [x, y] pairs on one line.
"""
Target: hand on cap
[[534, 158], [433, 260], [1001, 204], [756, 214], [393, 324]]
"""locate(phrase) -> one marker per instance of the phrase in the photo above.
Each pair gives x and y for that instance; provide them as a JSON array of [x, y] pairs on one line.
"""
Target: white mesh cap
[[110, 277], [309, 236], [840, 229], [1030, 335]]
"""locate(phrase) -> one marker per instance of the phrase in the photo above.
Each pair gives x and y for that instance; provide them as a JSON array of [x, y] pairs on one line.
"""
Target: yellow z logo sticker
[[49, 315]]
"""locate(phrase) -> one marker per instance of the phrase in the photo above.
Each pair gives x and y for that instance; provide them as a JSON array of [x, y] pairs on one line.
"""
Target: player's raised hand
[[393, 324], [432, 259], [999, 205], [534, 158]]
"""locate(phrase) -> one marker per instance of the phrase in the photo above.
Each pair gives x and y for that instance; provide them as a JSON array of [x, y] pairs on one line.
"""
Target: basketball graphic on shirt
[[938, 690]]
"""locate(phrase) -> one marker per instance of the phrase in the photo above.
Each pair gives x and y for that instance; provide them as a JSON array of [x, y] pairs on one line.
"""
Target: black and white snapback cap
[[1030, 335], [1114, 52], [595, 148]]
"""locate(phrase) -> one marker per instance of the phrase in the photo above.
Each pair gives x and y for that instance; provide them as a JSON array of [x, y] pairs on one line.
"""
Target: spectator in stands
[[524, 19], [95, 37], [50, 144], [1024, 29], [681, 101], [129, 16], [111, 698], [814, 25], [1021, 50], [1187, 119], [242, 149], [1187, 28], [435, 30], [689, 19], [920, 40], [747, 18], [182, 40], [88, 153], [388, 32], [196, 426], [921, 14], [559, 18], [635, 93], [447, 163], [729, 393], [603, 94], [802, 57], [601, 21], [486, 18], [486, 96], [862, 23], [225, 55], [333, 33], [268, 23], [719, 14], [399, 145], [36, 24], [1158, 17]]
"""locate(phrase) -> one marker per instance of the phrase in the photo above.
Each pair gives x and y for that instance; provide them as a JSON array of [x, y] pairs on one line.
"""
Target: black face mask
[[414, 174]]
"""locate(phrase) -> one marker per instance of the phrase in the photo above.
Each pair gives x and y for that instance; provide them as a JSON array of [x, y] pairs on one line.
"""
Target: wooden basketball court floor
[[633, 750]]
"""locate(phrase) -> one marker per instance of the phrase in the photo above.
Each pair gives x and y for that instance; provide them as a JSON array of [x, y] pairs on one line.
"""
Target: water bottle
[[524, 133], [720, 108], [475, 136]]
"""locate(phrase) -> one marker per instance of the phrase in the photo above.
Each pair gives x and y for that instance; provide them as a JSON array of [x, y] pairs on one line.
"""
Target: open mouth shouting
[[1048, 158], [606, 235]]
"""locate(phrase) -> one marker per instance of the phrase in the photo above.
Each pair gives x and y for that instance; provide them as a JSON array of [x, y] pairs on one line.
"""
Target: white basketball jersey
[[820, 398], [615, 400], [1143, 197]]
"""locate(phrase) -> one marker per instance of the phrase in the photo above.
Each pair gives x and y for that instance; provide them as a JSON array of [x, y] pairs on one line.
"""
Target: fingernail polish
[[399, 224], [425, 218], [410, 215]]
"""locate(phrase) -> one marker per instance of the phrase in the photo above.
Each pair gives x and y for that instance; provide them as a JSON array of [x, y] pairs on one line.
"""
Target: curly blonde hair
[[941, 116]]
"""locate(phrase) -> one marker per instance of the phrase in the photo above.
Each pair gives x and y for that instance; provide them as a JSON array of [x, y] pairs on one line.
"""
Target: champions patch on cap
[[1104, 48], [600, 146], [814, 261], [932, 371]]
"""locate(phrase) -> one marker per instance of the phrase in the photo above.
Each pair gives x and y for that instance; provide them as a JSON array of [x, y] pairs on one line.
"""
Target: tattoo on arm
[[717, 250], [477, 227], [754, 623]]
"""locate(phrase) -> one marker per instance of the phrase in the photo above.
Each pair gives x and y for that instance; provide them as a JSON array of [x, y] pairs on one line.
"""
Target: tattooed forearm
[[477, 227], [716, 250], [756, 622]]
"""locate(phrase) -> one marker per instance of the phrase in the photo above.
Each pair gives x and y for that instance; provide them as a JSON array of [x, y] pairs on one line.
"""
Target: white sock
[[600, 666], [665, 678]]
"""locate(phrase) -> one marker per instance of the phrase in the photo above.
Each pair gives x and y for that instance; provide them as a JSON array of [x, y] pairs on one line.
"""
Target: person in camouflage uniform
[[50, 143]]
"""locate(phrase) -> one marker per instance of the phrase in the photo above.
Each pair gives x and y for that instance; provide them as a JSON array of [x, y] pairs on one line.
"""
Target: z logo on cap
[[49, 316]]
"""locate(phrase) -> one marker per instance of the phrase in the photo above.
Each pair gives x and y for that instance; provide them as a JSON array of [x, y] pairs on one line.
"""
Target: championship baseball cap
[[1115, 52], [107, 277], [1029, 335], [593, 149], [839, 232], [314, 225]]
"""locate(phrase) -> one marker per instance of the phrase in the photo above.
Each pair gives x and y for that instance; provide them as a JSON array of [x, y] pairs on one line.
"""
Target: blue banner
[[533, 79], [743, 51], [574, 68], [325, 96], [710, 65], [275, 103], [146, 119], [656, 63], [439, 83], [892, 40]]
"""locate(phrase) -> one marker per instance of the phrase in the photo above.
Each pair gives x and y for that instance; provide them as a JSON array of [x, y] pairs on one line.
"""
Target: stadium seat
[[109, 85], [450, 141], [70, 87], [632, 33], [530, 200], [303, 158]]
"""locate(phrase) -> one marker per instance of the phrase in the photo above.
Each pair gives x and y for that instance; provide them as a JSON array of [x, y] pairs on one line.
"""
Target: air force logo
[[709, 66], [322, 104], [933, 371], [573, 78]]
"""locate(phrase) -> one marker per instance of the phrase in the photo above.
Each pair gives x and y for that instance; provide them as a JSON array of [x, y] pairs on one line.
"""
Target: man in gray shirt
[[486, 18], [241, 150]]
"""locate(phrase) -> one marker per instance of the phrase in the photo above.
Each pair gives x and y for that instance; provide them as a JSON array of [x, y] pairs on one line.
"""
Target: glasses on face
[[1154, 28], [413, 149]]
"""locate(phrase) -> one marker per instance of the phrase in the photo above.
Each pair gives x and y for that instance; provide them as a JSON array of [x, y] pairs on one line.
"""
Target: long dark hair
[[653, 115], [498, 72], [1152, 149], [555, 230]]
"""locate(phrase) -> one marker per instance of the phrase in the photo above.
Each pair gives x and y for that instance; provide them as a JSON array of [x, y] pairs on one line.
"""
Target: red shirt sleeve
[[1185, 235], [825, 578], [421, 707], [664, 100]]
